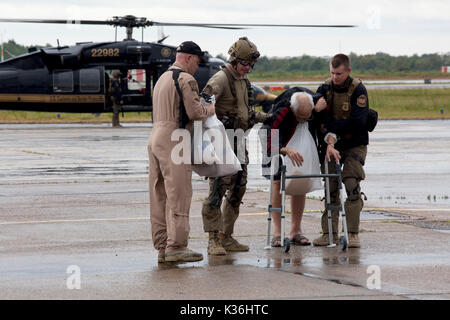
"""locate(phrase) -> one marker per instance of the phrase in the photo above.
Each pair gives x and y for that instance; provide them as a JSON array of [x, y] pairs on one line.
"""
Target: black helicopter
[[76, 78]]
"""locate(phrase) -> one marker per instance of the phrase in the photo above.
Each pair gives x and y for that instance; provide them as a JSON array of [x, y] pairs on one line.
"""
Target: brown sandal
[[300, 240]]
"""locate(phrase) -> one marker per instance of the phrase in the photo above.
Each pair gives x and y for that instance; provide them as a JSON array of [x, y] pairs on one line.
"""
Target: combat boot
[[231, 244], [353, 240], [214, 245], [324, 240], [184, 255], [161, 256]]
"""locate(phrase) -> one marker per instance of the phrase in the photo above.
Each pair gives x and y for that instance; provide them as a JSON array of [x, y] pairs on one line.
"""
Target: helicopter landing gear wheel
[[342, 243]]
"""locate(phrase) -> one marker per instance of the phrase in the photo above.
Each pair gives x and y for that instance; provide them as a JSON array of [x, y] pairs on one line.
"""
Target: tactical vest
[[233, 88], [340, 103]]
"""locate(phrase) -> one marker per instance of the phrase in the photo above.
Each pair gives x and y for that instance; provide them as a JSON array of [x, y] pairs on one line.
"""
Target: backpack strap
[[183, 119]]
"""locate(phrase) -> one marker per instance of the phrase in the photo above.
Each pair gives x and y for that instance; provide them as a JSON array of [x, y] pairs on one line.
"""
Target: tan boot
[[214, 245], [184, 255], [324, 240], [353, 240], [231, 244]]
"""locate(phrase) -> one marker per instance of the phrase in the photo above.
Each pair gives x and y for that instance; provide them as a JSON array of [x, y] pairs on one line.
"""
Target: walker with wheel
[[285, 242]]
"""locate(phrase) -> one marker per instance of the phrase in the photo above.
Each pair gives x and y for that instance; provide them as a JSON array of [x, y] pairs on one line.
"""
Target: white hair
[[295, 103]]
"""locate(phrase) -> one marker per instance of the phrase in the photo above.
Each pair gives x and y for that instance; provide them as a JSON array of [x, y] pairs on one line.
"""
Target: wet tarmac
[[404, 156], [77, 195]]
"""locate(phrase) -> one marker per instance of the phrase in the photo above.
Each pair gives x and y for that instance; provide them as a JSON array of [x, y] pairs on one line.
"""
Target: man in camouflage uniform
[[232, 90], [343, 134]]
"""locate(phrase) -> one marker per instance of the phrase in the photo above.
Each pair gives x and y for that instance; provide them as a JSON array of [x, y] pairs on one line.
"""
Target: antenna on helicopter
[[161, 35]]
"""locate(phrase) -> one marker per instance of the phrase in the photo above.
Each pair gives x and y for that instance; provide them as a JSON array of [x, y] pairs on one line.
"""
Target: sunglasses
[[246, 63]]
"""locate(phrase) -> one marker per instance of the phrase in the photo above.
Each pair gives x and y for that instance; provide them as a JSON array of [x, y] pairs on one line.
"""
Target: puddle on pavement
[[79, 171], [439, 226], [367, 215], [301, 261], [108, 138], [276, 259]]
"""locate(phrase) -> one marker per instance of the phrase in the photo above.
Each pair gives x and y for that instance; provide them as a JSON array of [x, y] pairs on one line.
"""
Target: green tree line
[[12, 49], [369, 63]]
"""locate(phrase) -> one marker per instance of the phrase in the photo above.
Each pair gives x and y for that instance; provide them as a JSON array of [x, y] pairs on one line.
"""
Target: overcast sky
[[403, 27]]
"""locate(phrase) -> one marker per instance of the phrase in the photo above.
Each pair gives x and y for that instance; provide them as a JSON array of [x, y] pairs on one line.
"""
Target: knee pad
[[235, 198], [214, 201], [353, 189], [215, 195]]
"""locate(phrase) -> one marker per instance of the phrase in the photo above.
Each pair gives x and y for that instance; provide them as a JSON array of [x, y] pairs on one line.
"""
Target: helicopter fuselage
[[76, 78]]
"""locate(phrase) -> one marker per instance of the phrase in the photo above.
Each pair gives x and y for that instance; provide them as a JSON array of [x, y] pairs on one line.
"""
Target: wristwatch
[[333, 136]]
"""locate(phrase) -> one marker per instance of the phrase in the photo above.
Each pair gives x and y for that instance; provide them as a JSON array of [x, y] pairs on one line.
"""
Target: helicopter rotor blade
[[200, 25], [292, 25], [247, 25], [132, 21], [121, 22], [59, 21]]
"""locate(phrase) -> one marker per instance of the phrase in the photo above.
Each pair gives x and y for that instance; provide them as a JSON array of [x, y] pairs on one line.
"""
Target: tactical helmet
[[243, 49]]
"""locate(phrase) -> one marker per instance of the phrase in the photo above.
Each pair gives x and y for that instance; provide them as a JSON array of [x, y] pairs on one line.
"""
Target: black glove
[[269, 118]]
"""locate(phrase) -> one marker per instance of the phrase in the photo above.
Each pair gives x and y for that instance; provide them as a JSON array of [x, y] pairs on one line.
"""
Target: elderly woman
[[292, 107]]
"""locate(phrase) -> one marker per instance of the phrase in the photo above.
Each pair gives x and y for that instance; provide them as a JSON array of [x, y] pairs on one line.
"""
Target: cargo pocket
[[215, 197], [353, 165], [181, 229]]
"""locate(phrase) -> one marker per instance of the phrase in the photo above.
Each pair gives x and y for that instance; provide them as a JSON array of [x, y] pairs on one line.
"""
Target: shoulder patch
[[211, 89], [362, 101], [193, 85], [208, 90]]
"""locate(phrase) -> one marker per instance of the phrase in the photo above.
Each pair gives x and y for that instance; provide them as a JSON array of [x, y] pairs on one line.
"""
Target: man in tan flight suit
[[232, 90], [170, 183]]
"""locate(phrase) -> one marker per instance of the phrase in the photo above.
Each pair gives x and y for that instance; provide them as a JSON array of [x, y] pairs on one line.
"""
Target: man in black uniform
[[343, 136]]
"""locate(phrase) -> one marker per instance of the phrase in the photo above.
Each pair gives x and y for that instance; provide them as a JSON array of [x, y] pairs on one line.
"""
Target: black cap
[[191, 47]]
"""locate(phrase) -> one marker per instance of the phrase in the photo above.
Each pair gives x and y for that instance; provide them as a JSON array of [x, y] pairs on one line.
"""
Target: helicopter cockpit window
[[63, 81], [89, 80]]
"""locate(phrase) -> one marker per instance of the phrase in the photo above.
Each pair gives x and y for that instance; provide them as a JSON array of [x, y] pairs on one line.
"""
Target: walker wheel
[[287, 245], [342, 243]]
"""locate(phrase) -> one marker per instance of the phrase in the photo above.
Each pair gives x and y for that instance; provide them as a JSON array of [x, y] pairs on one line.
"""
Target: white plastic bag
[[212, 154], [303, 143]]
